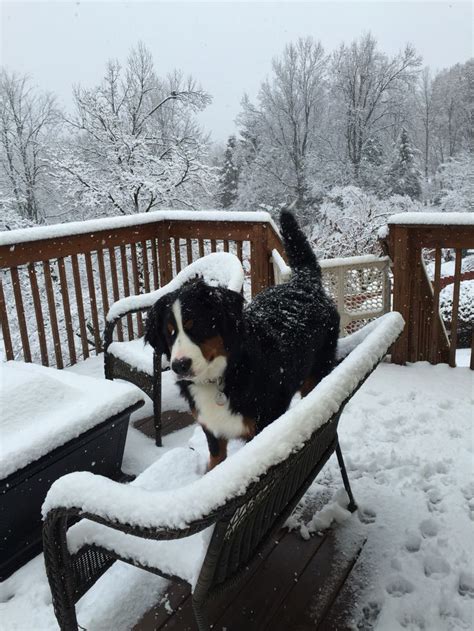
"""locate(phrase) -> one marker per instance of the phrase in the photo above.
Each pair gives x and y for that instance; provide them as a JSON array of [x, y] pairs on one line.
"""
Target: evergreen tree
[[229, 177], [371, 166], [403, 175]]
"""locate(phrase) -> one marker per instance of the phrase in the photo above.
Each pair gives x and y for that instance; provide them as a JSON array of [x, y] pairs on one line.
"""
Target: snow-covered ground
[[408, 443]]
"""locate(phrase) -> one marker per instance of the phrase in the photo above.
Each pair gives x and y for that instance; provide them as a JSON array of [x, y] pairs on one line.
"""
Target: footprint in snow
[[447, 404], [412, 542], [368, 619], [370, 392], [366, 515], [435, 567], [399, 586], [434, 500], [468, 491], [466, 584], [413, 621], [429, 528]]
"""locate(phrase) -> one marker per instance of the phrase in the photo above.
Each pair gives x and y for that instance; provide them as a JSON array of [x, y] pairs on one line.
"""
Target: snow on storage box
[[52, 423], [43, 408]]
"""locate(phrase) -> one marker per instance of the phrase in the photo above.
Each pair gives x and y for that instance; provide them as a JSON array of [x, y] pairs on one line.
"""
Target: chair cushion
[[137, 354], [180, 557]]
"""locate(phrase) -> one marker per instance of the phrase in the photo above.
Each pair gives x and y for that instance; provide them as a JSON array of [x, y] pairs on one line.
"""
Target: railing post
[[259, 259], [400, 253]]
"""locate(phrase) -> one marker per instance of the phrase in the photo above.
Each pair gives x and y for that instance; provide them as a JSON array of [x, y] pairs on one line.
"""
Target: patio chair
[[138, 363], [208, 531]]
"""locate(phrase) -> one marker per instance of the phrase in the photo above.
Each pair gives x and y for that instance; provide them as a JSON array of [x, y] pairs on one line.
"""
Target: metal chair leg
[[352, 505], [157, 397]]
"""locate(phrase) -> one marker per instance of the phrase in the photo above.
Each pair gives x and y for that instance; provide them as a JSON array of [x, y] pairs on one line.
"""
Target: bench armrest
[[76, 495]]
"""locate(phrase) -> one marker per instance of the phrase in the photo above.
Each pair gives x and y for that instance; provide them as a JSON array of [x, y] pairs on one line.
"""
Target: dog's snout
[[181, 366]]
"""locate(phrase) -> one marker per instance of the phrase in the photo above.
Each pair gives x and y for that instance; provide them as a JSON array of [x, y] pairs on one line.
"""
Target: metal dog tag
[[220, 398]]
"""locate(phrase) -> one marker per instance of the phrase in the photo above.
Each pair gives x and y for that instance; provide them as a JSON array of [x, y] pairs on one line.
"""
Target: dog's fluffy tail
[[299, 251]]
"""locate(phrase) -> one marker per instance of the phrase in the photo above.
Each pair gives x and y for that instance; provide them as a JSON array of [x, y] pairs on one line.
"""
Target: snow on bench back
[[217, 269], [100, 496], [43, 408], [55, 231]]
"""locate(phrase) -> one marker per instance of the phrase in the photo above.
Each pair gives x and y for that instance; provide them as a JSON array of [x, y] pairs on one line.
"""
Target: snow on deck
[[407, 440]]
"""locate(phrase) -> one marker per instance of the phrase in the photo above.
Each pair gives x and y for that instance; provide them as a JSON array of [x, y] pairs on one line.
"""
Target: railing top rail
[[55, 231], [432, 219], [354, 261]]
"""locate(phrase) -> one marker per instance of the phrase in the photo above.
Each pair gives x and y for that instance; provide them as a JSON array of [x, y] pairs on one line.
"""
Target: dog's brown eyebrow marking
[[213, 347], [188, 325]]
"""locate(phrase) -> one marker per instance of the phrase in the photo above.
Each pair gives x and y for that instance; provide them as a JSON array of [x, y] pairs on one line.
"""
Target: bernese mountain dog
[[240, 365]]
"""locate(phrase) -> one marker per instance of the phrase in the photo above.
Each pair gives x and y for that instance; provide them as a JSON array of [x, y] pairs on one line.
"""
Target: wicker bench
[[134, 361], [231, 512]]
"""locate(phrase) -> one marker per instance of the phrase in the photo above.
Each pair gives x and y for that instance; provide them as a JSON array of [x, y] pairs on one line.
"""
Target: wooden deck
[[297, 585]]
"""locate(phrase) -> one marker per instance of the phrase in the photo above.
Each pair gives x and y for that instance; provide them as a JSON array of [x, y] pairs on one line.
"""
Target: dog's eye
[[188, 325], [170, 328]]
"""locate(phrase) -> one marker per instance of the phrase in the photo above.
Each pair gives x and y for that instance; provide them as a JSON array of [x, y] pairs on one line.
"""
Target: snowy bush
[[465, 313], [349, 219]]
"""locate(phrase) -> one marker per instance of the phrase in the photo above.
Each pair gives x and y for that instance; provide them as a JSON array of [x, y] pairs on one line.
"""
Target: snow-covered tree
[[280, 132], [403, 176], [27, 120], [229, 177], [135, 144], [455, 179], [452, 100], [367, 86]]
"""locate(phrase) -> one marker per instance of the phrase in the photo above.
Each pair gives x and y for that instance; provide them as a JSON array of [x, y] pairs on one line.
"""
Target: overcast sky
[[227, 46]]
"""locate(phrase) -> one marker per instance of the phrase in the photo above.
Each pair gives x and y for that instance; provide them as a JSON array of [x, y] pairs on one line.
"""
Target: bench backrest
[[245, 529]]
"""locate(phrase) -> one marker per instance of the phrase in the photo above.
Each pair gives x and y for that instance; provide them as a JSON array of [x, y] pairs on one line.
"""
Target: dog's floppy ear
[[154, 328], [232, 305]]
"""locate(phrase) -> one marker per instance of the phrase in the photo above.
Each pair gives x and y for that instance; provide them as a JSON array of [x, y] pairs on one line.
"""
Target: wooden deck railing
[[416, 297], [57, 283]]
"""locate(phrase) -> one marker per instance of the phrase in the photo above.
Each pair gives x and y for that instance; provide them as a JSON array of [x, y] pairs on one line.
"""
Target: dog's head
[[197, 328]]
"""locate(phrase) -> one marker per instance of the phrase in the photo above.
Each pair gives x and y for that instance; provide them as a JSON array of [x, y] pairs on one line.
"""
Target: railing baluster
[[21, 314], [177, 255], [154, 256], [201, 247], [7, 339], [226, 245], [126, 288], [115, 288], [146, 271], [164, 255], [93, 301], [52, 313], [454, 314], [38, 314], [103, 282], [67, 310], [189, 251], [213, 245], [136, 282], [80, 305], [240, 251]]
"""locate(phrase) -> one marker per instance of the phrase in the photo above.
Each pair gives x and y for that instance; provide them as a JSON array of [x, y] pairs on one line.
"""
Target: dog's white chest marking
[[214, 413]]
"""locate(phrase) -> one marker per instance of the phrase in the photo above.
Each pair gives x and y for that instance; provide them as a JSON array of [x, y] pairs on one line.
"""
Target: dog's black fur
[[283, 341]]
